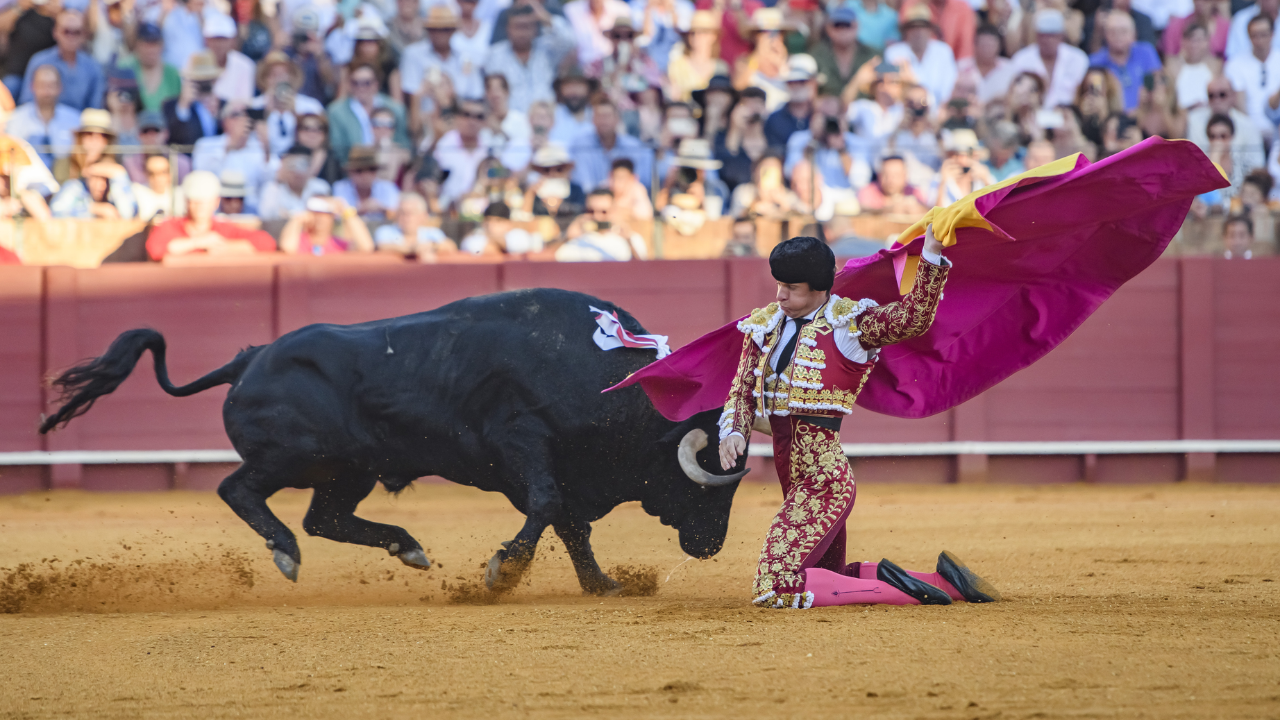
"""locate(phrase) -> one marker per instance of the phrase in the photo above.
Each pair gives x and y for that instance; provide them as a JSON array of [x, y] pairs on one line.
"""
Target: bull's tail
[[83, 384]]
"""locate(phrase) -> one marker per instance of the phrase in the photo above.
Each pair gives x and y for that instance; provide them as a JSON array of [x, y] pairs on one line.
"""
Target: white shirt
[[211, 154], [59, 132], [420, 57], [384, 192], [602, 247], [936, 71], [994, 84], [282, 128], [589, 33], [1068, 72], [1192, 85], [473, 50], [463, 163], [872, 121], [1258, 80], [1238, 44], [237, 79], [280, 203]]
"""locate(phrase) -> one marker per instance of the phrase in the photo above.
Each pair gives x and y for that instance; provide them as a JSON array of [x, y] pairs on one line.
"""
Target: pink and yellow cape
[[1034, 256]]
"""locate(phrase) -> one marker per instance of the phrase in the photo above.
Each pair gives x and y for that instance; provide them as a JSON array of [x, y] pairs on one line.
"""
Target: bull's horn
[[690, 444]]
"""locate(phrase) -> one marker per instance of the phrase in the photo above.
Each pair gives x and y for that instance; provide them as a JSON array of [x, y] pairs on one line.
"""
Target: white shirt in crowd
[[602, 247], [279, 202], [936, 71], [1192, 85], [27, 124], [473, 50], [420, 57], [589, 32], [384, 192], [211, 154], [463, 163], [994, 85], [1238, 44], [282, 128], [1068, 72], [237, 79], [1258, 80]]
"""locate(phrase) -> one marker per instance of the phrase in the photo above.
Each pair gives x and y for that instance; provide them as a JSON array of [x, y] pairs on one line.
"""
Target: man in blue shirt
[[593, 155], [794, 116], [83, 82], [1127, 58]]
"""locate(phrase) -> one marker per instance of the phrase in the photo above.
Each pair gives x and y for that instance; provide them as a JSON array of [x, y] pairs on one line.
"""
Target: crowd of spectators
[[431, 128]]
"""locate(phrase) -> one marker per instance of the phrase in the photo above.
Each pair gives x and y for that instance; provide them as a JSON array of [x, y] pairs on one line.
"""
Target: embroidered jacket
[[820, 379]]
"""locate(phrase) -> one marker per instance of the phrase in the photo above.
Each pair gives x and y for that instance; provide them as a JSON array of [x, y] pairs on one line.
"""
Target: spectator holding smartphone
[[280, 105], [194, 114]]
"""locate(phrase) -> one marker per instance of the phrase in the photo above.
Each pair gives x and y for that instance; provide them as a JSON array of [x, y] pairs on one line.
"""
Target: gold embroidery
[[909, 317], [821, 491]]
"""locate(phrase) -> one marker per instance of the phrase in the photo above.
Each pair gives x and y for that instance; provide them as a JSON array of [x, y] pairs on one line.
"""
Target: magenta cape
[[1057, 248]]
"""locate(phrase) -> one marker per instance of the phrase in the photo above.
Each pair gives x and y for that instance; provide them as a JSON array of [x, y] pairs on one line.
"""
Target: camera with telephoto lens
[[832, 127], [204, 87]]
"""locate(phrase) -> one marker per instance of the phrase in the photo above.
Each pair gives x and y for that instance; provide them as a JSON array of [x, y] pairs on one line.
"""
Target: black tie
[[790, 348]]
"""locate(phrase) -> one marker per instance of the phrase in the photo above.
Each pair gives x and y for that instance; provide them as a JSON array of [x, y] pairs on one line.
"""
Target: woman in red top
[[198, 232], [311, 231]]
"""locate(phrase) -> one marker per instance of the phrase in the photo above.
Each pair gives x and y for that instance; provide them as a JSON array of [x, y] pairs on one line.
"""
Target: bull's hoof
[[287, 566], [415, 559], [503, 572], [604, 587], [493, 572]]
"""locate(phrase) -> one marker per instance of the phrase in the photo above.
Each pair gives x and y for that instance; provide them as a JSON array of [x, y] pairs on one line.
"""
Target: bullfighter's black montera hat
[[804, 260]]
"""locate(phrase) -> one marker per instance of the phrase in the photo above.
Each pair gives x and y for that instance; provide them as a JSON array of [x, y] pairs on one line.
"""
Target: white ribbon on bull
[[611, 335]]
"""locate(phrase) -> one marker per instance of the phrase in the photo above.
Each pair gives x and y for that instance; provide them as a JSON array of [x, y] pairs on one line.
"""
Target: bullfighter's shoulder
[[841, 311], [761, 321]]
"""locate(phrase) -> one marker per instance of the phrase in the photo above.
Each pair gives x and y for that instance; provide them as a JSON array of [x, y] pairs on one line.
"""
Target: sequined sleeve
[[740, 408], [908, 317]]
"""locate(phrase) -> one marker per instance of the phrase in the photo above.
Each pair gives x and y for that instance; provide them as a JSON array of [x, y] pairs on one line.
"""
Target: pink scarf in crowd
[[1034, 256]]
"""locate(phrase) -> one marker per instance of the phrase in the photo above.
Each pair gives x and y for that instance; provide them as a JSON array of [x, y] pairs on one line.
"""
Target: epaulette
[[761, 322], [841, 311]]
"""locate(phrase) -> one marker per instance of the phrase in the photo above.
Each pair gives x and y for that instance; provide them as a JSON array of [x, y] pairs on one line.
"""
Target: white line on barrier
[[1114, 447]]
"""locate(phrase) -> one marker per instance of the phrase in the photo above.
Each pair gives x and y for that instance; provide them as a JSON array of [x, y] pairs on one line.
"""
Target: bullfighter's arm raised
[[913, 314]]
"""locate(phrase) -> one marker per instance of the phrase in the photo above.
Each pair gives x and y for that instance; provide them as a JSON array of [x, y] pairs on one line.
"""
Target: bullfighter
[[804, 360]]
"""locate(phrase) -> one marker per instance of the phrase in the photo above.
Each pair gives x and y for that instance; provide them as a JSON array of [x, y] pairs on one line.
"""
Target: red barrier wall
[[1185, 350]]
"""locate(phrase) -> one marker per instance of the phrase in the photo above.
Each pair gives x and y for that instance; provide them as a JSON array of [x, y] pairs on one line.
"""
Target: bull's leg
[[245, 491], [527, 464], [331, 516], [577, 542]]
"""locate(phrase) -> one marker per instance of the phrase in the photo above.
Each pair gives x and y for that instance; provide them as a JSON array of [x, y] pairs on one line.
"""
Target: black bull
[[500, 392]]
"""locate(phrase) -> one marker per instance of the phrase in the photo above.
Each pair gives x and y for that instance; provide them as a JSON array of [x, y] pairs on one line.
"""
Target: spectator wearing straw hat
[[931, 61], [91, 142], [692, 65], [236, 80], [194, 113], [373, 198], [553, 193], [157, 80], [766, 67], [954, 19], [44, 121], [428, 59], [574, 91], [278, 80], [793, 117], [688, 184], [237, 148], [83, 82], [231, 204], [198, 231]]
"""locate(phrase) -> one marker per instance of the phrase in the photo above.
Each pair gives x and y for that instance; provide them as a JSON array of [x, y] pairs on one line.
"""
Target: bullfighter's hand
[[931, 243], [730, 448]]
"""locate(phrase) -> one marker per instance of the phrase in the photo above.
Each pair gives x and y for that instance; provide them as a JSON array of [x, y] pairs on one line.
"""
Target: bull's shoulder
[[761, 321]]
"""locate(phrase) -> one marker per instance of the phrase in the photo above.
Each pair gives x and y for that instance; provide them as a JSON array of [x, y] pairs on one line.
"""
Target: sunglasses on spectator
[[557, 168], [384, 123], [1219, 95], [361, 171], [236, 114], [473, 116], [598, 211], [841, 25], [364, 83], [145, 130], [311, 128], [70, 31], [622, 35]]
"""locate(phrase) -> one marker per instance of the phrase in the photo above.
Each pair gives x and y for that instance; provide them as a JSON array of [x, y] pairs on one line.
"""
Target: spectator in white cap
[[1061, 65], [237, 148], [794, 116], [292, 187], [931, 61], [199, 231], [553, 190], [183, 30], [232, 194], [236, 80], [311, 232]]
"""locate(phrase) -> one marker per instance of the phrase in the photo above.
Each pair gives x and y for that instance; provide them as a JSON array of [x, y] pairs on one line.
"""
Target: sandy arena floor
[[1121, 602]]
